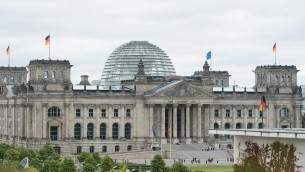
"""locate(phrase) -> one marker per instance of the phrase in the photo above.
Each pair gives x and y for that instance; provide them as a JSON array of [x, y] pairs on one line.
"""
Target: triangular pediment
[[55, 122], [185, 89]]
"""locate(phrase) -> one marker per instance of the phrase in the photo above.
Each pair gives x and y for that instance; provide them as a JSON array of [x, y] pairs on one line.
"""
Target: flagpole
[[9, 68], [50, 47], [275, 54]]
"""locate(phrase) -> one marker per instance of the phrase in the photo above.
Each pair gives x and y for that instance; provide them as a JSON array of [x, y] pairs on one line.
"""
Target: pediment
[[285, 121], [55, 121], [185, 89]]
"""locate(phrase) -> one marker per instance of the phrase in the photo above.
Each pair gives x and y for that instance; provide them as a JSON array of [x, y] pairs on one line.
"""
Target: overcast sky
[[240, 33]]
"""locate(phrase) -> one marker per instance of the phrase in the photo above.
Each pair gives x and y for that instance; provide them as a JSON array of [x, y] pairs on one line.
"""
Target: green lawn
[[211, 168]]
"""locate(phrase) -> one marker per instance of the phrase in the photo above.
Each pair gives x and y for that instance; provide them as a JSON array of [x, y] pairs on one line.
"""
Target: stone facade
[[119, 119]]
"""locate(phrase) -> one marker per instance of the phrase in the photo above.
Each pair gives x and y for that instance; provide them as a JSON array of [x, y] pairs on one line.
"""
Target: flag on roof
[[47, 40], [8, 50], [262, 104], [209, 55], [274, 48]]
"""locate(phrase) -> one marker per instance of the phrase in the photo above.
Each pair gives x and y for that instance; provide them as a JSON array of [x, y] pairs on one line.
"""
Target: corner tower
[[282, 78], [49, 76]]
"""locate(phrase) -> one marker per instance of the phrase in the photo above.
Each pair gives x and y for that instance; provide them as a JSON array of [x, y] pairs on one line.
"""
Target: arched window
[[77, 131], [284, 113], [5, 80], [127, 131], [227, 125], [249, 125], [288, 79], [216, 125], [45, 74], [90, 131], [103, 131], [18, 79], [238, 125], [53, 74], [260, 125], [60, 74], [115, 131], [53, 112]]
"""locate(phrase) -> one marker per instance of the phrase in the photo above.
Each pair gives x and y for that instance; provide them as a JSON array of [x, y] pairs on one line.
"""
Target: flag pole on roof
[[274, 51], [209, 57]]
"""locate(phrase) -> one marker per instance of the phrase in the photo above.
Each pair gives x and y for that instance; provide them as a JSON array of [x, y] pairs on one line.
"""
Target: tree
[[35, 162], [3, 148], [68, 165], [90, 160], [179, 167], [274, 157], [157, 164], [303, 121], [96, 157], [83, 156], [11, 155], [51, 165], [107, 164], [124, 167], [23, 152], [88, 167], [46, 152]]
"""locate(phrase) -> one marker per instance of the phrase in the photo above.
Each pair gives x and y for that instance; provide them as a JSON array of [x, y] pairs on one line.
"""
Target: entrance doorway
[[54, 132]]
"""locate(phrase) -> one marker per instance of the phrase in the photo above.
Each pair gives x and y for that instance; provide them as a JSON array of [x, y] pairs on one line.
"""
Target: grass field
[[211, 168], [199, 168]]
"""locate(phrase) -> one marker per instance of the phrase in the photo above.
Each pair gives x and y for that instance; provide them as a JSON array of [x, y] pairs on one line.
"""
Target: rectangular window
[[91, 149], [227, 113], [79, 149], [260, 113], [116, 112], [90, 112], [77, 112], [103, 112], [104, 149], [250, 113], [117, 148], [127, 112], [239, 113], [216, 113], [129, 148]]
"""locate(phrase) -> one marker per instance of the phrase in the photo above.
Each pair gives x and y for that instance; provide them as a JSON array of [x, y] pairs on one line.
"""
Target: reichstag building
[[138, 90]]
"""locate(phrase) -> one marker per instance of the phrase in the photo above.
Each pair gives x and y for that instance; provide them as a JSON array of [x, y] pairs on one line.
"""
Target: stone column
[[245, 117], [212, 117], [163, 124], [110, 113], [97, 124], [234, 114], [174, 129], [206, 121], [13, 120], [170, 119], [66, 126], [297, 119], [85, 123], [29, 108], [151, 118], [223, 114], [44, 120], [182, 122], [256, 115], [199, 124], [122, 115], [5, 110], [188, 139]]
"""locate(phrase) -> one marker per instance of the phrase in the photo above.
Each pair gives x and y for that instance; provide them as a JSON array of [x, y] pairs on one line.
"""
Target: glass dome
[[122, 63]]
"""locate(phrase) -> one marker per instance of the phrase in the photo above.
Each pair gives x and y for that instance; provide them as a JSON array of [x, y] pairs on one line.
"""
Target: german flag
[[262, 104], [8, 50], [47, 40], [274, 48]]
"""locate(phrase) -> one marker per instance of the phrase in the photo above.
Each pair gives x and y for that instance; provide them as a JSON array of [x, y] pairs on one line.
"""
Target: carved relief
[[185, 91]]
